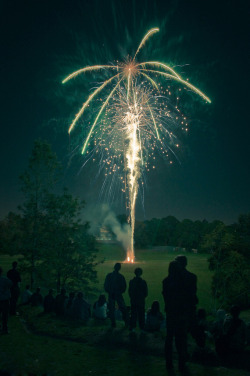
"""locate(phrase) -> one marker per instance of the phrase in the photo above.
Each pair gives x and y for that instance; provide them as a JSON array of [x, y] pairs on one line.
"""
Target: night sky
[[207, 42]]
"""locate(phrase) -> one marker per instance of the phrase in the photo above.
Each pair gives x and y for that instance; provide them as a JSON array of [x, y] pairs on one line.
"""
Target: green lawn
[[155, 269], [58, 347], [27, 354]]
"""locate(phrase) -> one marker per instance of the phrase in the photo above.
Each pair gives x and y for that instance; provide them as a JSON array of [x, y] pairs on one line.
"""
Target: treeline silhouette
[[172, 232]]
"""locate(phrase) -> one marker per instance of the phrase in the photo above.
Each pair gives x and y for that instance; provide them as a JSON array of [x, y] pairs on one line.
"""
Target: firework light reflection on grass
[[134, 118]]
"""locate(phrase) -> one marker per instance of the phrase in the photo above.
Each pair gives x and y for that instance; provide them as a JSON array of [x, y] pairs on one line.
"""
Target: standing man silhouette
[[15, 278], [138, 291], [190, 280], [178, 298], [115, 285], [5, 295]]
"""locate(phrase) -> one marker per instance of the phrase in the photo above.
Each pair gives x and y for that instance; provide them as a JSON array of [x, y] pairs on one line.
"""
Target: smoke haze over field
[[104, 216]]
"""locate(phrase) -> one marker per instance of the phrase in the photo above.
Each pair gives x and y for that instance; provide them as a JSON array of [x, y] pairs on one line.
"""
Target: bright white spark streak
[[87, 69], [85, 104], [150, 32], [96, 119], [159, 65], [193, 88], [133, 167]]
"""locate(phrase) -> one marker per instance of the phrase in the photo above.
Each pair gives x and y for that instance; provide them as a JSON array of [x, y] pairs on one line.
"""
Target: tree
[[11, 234], [219, 238], [68, 250], [231, 281], [37, 181], [166, 231], [242, 235], [185, 234], [141, 235]]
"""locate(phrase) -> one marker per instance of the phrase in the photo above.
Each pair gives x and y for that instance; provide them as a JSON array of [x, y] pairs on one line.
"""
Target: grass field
[[155, 269], [41, 344]]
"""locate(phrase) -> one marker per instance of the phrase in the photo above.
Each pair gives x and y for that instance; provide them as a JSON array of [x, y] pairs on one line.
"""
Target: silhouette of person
[[49, 302], [154, 319], [217, 324], [115, 285], [201, 328], [15, 278], [191, 286], [176, 298], [5, 296], [60, 303], [233, 341], [100, 308], [26, 295], [138, 291], [36, 299], [69, 304], [80, 308]]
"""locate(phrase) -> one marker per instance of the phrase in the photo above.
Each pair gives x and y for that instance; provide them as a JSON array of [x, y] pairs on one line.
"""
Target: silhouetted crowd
[[228, 332]]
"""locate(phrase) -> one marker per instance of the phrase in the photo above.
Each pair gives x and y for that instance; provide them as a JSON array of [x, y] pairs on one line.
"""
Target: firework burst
[[134, 118]]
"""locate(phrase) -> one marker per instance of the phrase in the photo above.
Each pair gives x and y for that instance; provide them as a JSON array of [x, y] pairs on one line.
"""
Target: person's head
[[138, 272], [174, 269], [63, 291], [71, 295], [101, 300], [235, 311], [80, 295], [14, 264], [117, 266], [50, 291], [155, 307], [27, 287], [182, 260], [38, 289]]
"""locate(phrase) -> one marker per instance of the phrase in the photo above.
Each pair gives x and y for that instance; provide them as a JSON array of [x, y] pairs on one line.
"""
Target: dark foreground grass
[[43, 345], [24, 353]]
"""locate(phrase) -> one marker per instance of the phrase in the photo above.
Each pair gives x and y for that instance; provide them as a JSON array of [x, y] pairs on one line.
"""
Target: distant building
[[104, 234]]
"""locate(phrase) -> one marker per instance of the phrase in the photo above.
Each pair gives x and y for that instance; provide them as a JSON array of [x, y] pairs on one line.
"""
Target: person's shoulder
[[4, 279], [189, 274], [109, 275], [165, 280]]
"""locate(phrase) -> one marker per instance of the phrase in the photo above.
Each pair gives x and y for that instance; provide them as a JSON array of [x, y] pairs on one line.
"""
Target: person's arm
[[107, 284], [145, 289], [123, 284], [130, 289]]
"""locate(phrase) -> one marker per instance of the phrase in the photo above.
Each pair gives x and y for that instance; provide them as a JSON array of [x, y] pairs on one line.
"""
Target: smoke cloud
[[103, 216], [122, 232]]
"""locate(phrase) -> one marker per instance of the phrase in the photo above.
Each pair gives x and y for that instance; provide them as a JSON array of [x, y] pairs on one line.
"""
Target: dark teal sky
[[208, 42]]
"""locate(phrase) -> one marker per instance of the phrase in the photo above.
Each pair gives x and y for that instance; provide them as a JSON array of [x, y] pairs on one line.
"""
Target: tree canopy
[[55, 244]]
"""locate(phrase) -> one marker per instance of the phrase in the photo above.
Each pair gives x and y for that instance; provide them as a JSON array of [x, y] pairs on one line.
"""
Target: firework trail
[[132, 119]]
